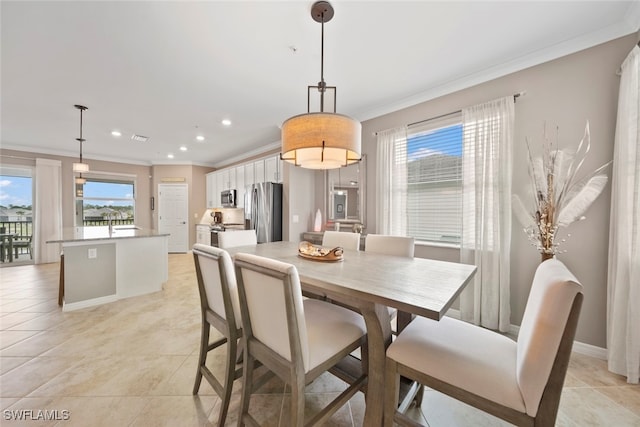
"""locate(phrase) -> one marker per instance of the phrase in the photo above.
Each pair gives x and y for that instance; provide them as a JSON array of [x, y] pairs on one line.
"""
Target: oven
[[223, 228], [215, 229]]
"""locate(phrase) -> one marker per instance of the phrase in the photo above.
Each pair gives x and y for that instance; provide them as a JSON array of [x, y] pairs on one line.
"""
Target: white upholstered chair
[[349, 241], [395, 246], [230, 239], [221, 309], [519, 382], [296, 339], [390, 245]]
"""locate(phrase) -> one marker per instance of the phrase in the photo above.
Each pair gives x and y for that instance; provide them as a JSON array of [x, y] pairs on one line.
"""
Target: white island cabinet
[[102, 266]]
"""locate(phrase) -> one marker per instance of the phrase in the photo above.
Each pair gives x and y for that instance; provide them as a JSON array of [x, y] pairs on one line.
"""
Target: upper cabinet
[[212, 198], [268, 169], [272, 169], [249, 174], [239, 185], [259, 170]]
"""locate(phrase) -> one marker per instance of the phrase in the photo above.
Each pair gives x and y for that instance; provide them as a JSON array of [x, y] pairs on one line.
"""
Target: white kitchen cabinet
[[211, 190], [273, 169], [240, 186], [233, 180], [220, 186], [249, 174], [224, 179], [259, 171], [203, 234]]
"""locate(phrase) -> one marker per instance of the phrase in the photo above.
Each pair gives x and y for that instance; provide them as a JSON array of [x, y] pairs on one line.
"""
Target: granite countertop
[[80, 234]]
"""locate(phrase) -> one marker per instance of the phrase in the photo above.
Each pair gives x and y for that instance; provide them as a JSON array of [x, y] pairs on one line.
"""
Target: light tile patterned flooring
[[132, 363]]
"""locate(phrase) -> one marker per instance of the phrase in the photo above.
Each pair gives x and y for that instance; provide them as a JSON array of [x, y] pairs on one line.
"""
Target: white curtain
[[48, 210], [623, 282], [391, 182], [486, 211]]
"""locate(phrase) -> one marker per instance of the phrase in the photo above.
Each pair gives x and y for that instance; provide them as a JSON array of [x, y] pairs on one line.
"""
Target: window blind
[[433, 156]]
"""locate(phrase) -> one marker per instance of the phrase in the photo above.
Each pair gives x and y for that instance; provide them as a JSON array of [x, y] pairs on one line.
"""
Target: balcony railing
[[24, 229]]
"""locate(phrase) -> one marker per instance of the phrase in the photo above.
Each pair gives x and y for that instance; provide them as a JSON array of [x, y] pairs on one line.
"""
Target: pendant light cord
[[322, 85]]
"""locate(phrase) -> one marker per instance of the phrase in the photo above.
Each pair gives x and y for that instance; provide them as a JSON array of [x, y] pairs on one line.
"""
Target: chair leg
[[229, 377], [202, 359], [247, 386], [297, 403]]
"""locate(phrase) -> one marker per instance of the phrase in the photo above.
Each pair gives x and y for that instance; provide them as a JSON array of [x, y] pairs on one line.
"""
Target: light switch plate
[[92, 253]]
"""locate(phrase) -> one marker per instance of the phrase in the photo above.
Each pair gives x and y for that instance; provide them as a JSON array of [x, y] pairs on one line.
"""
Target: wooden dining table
[[371, 283]]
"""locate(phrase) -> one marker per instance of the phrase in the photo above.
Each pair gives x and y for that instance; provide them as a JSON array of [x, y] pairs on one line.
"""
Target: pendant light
[[80, 167], [321, 140]]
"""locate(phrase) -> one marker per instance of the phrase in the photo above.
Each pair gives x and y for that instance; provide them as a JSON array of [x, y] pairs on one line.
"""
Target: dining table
[[371, 282], [9, 238]]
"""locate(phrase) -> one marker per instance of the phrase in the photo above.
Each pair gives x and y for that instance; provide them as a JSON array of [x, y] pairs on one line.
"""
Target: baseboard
[[578, 347], [590, 350]]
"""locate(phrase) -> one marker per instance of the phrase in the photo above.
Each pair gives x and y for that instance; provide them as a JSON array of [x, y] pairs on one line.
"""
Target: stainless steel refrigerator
[[263, 210]]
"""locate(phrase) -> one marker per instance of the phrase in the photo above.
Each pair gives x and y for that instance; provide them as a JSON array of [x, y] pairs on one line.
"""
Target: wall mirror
[[345, 190]]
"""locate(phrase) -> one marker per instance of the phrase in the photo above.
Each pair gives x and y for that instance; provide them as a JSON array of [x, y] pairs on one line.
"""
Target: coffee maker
[[217, 217]]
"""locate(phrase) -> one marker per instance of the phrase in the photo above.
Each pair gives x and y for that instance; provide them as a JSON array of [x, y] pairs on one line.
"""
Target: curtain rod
[[515, 96]]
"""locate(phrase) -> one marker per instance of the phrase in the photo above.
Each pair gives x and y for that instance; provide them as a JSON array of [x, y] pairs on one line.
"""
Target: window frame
[[453, 229], [105, 177]]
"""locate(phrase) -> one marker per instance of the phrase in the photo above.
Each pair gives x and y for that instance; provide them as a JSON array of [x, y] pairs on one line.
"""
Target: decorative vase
[[545, 257], [317, 226]]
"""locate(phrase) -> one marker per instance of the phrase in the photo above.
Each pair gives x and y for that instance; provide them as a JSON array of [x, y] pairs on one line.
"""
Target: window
[[434, 180], [104, 198]]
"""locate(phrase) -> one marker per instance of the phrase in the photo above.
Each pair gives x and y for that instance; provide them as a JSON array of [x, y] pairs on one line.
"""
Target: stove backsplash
[[229, 216]]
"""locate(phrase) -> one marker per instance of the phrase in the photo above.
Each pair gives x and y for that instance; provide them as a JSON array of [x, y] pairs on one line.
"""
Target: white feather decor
[[561, 197]]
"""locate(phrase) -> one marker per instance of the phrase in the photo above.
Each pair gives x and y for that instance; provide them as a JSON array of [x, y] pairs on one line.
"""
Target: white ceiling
[[173, 70]]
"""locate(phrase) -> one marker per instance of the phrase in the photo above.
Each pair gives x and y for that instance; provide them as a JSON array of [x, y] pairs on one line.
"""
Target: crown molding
[[568, 47]]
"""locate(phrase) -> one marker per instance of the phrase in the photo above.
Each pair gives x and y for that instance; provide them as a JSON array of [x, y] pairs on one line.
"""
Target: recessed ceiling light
[[183, 148], [170, 156], [200, 138], [116, 133], [226, 122]]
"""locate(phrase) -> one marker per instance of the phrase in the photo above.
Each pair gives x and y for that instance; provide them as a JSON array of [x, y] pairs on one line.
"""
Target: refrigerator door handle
[[254, 209]]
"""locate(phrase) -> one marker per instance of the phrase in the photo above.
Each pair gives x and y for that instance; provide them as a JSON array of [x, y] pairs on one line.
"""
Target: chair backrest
[[552, 299], [230, 239], [349, 241], [217, 284], [390, 245], [272, 306]]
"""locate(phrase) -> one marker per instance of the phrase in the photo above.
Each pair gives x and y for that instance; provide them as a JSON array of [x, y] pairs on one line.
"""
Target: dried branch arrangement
[[561, 197]]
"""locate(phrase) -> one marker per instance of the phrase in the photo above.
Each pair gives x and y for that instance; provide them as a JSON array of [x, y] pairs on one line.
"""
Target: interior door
[[173, 215]]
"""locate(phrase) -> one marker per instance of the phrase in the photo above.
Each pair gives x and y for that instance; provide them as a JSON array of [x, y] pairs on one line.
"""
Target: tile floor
[[132, 363]]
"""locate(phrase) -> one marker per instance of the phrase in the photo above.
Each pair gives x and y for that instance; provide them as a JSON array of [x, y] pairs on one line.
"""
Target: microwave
[[228, 198]]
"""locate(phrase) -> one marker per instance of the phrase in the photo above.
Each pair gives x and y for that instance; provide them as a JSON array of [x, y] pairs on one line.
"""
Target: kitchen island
[[103, 264]]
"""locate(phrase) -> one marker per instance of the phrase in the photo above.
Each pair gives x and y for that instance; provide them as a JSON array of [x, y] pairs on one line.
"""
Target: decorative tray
[[318, 253]]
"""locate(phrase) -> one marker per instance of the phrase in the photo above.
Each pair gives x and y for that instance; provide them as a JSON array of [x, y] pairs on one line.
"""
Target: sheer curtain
[[48, 210], [391, 182], [486, 211], [623, 282]]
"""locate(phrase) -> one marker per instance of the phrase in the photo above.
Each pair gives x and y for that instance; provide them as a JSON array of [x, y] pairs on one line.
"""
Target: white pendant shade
[[80, 180], [321, 140], [80, 167]]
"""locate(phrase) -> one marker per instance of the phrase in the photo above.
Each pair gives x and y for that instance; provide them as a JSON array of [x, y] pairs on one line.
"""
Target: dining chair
[[390, 245], [296, 339], [230, 239], [23, 243], [517, 381], [220, 308], [395, 246], [349, 241]]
